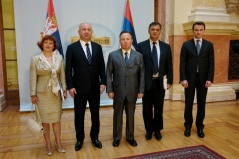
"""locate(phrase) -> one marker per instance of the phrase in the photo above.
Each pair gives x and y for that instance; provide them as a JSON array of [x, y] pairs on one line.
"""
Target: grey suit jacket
[[125, 80]]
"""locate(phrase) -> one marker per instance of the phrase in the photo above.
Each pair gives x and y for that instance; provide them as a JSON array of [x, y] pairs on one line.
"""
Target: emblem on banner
[[51, 25]]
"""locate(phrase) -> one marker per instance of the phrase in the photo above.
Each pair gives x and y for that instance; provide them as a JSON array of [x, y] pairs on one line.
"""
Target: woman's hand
[[65, 94], [34, 99]]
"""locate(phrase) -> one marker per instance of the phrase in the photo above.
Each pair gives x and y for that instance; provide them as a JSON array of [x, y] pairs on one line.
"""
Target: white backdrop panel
[[105, 16]]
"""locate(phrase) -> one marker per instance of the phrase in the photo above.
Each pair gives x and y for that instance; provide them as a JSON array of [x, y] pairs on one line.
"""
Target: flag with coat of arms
[[51, 27]]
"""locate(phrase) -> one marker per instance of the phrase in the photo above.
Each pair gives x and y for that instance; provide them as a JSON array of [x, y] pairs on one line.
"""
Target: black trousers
[[201, 93], [153, 101], [80, 101]]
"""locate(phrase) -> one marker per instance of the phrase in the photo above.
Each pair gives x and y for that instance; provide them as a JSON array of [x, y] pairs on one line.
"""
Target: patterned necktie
[[198, 46], [126, 59], [88, 52], [155, 58]]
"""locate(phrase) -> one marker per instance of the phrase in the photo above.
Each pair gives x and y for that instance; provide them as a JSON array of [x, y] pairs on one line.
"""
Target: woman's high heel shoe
[[61, 150], [49, 153], [49, 150]]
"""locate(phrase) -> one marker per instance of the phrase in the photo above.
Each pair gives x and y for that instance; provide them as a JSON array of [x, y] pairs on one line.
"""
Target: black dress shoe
[[200, 133], [116, 143], [148, 136], [158, 136], [187, 132], [132, 142], [78, 145], [97, 143]]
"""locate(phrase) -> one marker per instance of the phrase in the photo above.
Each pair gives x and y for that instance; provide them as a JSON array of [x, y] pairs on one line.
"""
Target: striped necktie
[[88, 53]]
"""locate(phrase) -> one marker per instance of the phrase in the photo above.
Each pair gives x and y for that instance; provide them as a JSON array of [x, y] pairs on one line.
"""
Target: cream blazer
[[40, 75]]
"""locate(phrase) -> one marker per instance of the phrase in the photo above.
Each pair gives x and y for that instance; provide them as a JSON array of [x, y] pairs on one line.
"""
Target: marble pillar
[[219, 31]]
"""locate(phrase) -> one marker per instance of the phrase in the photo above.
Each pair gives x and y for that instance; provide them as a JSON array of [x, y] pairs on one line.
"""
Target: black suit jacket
[[189, 60], [80, 74], [165, 66]]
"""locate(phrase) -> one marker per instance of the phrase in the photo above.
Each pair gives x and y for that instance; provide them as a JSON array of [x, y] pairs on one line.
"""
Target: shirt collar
[[83, 42], [151, 42], [128, 51], [195, 40]]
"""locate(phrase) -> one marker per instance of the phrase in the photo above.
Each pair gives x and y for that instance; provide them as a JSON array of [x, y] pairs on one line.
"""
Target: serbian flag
[[51, 27], [128, 24]]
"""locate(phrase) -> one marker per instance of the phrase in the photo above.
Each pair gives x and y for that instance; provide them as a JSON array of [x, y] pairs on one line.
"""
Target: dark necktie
[[198, 46], [88, 52], [126, 59], [155, 58]]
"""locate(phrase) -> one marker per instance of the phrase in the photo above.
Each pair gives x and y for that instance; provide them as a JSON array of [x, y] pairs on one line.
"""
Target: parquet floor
[[221, 134]]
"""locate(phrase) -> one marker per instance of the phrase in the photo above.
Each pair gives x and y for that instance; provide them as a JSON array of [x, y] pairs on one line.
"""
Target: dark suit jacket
[[80, 74], [125, 80], [165, 68], [189, 60]]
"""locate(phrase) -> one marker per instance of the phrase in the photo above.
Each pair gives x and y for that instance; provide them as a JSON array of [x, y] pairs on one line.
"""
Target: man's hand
[[72, 92], [184, 83], [208, 84], [169, 86], [140, 95], [111, 95]]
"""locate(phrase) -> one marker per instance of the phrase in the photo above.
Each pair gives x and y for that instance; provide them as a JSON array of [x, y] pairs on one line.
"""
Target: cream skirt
[[50, 107]]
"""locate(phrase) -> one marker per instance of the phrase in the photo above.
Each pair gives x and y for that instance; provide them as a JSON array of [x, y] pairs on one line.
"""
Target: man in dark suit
[[125, 83], [85, 78], [158, 63], [196, 72]]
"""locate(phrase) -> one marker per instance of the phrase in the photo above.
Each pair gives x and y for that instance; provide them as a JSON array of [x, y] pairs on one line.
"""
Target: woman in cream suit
[[47, 75]]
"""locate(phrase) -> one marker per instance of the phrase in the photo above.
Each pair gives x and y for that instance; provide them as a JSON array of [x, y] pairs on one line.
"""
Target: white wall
[[105, 16]]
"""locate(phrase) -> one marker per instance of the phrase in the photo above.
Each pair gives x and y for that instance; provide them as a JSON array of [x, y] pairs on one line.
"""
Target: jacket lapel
[[82, 53], [93, 51], [121, 57], [132, 56], [193, 47], [148, 50]]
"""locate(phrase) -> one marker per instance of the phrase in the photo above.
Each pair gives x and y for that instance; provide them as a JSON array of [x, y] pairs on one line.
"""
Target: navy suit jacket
[[80, 74], [165, 65], [189, 60]]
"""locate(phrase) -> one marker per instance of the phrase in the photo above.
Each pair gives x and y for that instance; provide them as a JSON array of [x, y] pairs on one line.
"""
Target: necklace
[[48, 58]]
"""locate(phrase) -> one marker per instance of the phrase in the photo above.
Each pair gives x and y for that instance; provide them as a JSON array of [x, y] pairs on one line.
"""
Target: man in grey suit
[[125, 83], [196, 73]]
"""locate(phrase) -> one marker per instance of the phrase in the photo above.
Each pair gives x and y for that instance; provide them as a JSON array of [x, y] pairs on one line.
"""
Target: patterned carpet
[[193, 152]]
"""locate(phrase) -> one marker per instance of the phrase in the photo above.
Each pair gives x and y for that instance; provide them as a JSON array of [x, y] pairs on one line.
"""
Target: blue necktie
[[88, 52], [198, 46], [155, 58], [126, 59]]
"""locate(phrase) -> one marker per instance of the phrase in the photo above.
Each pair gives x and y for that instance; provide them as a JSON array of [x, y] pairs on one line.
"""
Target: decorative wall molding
[[232, 6], [213, 28]]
